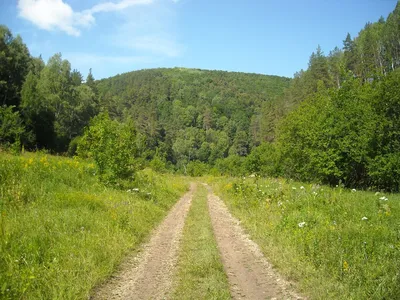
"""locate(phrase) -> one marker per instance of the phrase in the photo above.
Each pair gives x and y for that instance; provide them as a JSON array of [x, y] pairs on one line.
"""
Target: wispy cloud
[[138, 32], [107, 65], [151, 30], [155, 44], [94, 59], [111, 6], [56, 14]]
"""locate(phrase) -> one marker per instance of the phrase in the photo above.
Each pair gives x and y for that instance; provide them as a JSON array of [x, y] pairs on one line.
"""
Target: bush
[[73, 146], [196, 168], [112, 146]]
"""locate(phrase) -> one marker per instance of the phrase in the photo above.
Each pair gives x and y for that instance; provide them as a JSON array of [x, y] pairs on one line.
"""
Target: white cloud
[[49, 14], [111, 6], [56, 14]]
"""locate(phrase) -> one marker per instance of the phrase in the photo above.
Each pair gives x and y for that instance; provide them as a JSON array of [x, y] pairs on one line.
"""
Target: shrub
[[111, 145]]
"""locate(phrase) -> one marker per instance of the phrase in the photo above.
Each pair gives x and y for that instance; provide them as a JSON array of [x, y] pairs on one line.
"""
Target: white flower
[[128, 191], [280, 203], [302, 187], [364, 218], [383, 198], [315, 193], [302, 224], [353, 190], [135, 190], [377, 193], [294, 188]]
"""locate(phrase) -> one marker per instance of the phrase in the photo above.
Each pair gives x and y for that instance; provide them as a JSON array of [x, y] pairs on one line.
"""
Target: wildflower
[[280, 203], [128, 191], [345, 266], [353, 190], [302, 224], [294, 188], [302, 187], [135, 190], [315, 193], [377, 193], [364, 218], [383, 198]]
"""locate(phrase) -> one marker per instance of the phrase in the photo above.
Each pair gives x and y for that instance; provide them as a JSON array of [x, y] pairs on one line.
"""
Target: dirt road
[[149, 275], [250, 275]]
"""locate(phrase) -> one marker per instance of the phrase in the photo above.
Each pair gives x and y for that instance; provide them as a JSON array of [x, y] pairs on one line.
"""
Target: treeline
[[176, 119], [342, 125], [43, 106], [336, 122]]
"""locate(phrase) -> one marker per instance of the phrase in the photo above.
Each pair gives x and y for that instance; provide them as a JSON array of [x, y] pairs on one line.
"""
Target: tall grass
[[337, 243], [62, 232]]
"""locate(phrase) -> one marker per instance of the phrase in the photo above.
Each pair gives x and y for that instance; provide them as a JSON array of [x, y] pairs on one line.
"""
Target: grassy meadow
[[336, 243], [62, 232]]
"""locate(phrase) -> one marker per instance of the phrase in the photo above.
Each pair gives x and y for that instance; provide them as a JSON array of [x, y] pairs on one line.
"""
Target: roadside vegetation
[[62, 231], [336, 243], [200, 272]]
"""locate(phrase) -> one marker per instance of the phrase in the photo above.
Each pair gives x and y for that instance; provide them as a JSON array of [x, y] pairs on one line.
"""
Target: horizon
[[121, 36]]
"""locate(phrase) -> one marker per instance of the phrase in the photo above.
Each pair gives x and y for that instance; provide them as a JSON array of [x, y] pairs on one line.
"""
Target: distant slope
[[201, 107]]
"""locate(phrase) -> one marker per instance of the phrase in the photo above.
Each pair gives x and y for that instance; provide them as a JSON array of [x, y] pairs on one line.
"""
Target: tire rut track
[[250, 275], [149, 274]]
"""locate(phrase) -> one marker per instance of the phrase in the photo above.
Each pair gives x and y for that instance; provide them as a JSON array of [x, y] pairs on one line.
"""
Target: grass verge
[[200, 271], [336, 243], [62, 232]]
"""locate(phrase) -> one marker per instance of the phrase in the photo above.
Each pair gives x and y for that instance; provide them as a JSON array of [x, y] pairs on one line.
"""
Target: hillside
[[191, 114]]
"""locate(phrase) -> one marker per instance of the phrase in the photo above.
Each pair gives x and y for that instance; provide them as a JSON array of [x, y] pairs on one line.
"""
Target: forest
[[337, 122]]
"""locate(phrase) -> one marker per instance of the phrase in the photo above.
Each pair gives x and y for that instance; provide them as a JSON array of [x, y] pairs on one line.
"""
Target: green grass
[[62, 232], [347, 248], [200, 271]]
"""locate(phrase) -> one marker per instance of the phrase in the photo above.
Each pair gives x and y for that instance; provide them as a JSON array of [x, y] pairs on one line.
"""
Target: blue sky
[[256, 36]]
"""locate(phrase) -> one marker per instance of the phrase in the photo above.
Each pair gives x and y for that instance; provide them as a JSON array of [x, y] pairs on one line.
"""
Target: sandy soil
[[250, 275], [149, 274]]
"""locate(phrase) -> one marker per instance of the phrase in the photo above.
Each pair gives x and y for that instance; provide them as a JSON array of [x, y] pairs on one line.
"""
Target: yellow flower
[[345, 266]]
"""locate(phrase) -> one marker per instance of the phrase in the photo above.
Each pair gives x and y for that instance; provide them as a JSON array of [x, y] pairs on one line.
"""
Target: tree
[[350, 54], [14, 66], [11, 126], [91, 83], [112, 145]]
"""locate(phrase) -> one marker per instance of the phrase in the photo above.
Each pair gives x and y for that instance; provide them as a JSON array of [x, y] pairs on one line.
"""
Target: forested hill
[[336, 122], [192, 114]]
